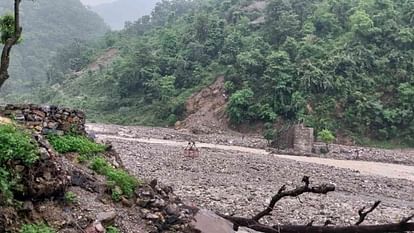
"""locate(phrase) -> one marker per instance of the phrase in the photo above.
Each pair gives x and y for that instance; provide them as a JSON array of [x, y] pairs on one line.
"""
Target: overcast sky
[[95, 2]]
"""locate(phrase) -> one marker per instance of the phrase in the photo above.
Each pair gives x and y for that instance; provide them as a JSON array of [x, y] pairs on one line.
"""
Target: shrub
[[112, 229], [75, 143], [70, 198], [326, 136], [116, 177], [36, 228], [15, 145]]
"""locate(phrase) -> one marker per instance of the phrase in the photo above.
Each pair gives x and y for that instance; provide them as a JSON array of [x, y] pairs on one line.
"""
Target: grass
[[120, 181], [112, 229], [75, 143], [17, 144], [16, 147], [70, 198], [36, 228]]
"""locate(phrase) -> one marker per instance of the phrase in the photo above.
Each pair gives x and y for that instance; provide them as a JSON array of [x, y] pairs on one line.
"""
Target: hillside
[[47, 26], [346, 66], [118, 12]]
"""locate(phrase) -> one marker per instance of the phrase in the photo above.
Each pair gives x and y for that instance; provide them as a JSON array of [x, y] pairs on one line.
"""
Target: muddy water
[[366, 168]]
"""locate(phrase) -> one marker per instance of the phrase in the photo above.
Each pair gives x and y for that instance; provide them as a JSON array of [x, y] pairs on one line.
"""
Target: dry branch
[[363, 215], [254, 224]]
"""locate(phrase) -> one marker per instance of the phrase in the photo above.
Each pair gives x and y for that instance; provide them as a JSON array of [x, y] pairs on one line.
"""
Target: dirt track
[[241, 180]]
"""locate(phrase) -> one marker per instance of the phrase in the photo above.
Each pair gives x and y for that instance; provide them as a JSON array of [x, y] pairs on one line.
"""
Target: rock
[[106, 218], [206, 221], [19, 168], [126, 202], [28, 206], [172, 209], [95, 227], [52, 125], [151, 216], [158, 203], [44, 154], [45, 119], [177, 124], [143, 203], [47, 175], [4, 120]]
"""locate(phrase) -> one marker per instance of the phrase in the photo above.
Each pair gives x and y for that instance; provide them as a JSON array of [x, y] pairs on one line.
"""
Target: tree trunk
[[8, 44]]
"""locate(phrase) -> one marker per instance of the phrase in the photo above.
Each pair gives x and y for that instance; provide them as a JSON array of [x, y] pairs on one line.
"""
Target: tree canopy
[[340, 65], [48, 26]]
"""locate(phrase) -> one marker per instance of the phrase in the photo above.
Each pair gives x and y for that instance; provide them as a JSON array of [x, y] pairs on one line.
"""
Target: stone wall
[[303, 139], [45, 119], [297, 137]]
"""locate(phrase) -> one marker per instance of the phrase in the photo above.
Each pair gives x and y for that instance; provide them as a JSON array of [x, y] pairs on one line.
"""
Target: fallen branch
[[254, 224], [323, 189], [363, 215]]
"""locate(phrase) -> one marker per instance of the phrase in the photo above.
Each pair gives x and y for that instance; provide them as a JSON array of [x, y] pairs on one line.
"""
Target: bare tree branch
[[253, 223], [363, 215], [323, 189]]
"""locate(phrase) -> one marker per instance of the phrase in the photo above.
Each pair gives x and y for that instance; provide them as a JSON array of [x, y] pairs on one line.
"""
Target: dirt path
[[366, 168]]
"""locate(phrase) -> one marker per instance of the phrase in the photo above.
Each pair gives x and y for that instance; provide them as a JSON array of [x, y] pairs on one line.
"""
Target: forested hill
[[117, 13], [343, 65], [47, 26]]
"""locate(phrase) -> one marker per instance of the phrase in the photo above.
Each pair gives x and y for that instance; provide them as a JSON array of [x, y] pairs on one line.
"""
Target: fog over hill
[[116, 13], [95, 2]]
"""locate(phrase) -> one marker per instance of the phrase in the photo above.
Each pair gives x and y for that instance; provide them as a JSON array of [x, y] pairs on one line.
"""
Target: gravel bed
[[397, 156], [243, 183]]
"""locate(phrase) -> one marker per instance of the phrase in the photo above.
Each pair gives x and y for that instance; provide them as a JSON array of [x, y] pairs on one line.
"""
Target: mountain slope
[[346, 66], [117, 13], [47, 26]]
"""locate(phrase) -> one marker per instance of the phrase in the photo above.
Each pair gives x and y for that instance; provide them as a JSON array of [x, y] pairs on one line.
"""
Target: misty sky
[[95, 2]]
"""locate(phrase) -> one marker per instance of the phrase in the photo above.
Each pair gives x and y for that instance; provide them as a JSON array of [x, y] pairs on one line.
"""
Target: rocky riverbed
[[242, 183]]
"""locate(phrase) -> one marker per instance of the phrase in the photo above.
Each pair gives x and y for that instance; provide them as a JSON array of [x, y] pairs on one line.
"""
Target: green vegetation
[[326, 136], [75, 143], [47, 26], [120, 181], [333, 64], [15, 145], [112, 229], [70, 198], [36, 228], [6, 27]]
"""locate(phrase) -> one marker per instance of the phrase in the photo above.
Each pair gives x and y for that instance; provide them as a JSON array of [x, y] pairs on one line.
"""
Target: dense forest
[[47, 26], [342, 65]]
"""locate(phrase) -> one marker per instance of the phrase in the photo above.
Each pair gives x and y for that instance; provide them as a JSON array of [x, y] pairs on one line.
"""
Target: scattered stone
[[106, 218], [46, 119]]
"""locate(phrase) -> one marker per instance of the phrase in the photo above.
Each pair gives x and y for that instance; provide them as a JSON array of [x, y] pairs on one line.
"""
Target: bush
[[75, 143], [70, 198], [326, 136], [36, 228], [15, 145], [238, 106], [112, 229], [116, 177]]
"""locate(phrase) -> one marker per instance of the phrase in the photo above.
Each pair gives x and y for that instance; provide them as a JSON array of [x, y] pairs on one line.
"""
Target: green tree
[[10, 34], [239, 104]]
